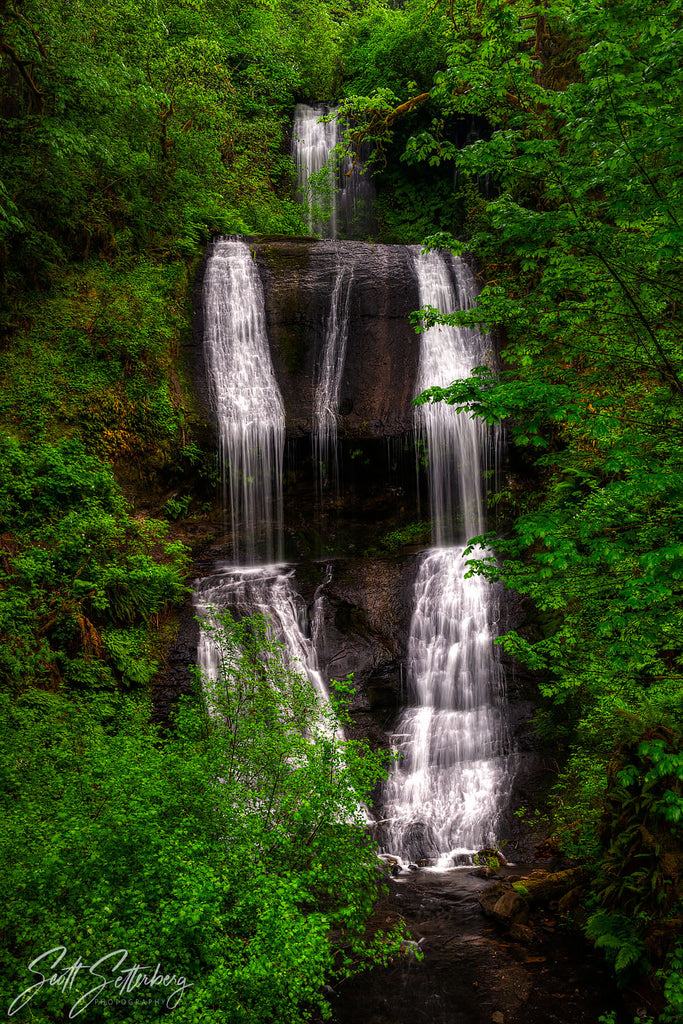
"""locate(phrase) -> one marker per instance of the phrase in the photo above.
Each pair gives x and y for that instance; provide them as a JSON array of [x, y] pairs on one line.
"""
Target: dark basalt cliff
[[382, 352]]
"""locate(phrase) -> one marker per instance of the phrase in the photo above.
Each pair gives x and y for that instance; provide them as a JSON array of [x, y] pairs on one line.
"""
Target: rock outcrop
[[380, 369]]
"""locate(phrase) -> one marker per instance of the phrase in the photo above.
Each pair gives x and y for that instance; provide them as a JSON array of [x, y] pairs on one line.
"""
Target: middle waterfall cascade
[[246, 398], [456, 443], [329, 377], [443, 798]]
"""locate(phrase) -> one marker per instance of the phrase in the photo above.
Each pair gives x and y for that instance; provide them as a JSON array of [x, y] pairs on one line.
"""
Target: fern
[[619, 938]]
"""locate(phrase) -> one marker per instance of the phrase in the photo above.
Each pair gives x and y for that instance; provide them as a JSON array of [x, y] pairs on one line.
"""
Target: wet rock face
[[177, 679], [364, 611], [382, 353]]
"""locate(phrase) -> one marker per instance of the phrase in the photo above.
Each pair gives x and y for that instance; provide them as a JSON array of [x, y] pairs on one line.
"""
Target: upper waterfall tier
[[313, 141], [336, 193]]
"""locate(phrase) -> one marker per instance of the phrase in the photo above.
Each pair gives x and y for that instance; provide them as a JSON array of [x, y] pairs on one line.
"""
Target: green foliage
[[618, 936], [320, 192], [671, 978], [397, 50], [74, 562], [96, 357], [412, 533], [141, 127], [226, 852], [642, 827], [393, 55], [175, 508], [637, 884], [131, 651]]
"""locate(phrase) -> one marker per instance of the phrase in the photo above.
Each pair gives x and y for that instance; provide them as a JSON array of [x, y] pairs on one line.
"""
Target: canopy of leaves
[[143, 125]]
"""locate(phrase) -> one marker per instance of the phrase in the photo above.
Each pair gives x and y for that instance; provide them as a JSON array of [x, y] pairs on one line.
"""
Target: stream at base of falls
[[471, 972]]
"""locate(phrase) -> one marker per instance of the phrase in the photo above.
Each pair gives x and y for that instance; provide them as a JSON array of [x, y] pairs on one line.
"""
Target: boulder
[[503, 904], [511, 908]]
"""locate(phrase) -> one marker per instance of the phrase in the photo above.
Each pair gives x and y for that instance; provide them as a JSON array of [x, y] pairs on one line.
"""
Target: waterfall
[[456, 443], [329, 378], [444, 796], [246, 398], [341, 200], [268, 590], [251, 422], [312, 145]]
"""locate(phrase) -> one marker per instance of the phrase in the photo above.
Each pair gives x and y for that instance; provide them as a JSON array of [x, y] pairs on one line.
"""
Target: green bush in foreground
[[225, 852]]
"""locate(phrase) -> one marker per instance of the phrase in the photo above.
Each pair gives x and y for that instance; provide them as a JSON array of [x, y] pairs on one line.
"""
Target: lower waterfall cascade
[[268, 590], [454, 773], [453, 778]]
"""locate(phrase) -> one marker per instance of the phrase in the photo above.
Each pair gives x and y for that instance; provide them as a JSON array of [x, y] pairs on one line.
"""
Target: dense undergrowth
[[547, 138], [221, 873]]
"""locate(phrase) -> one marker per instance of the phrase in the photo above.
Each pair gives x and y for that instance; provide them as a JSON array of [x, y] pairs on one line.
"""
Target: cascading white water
[[456, 443], [247, 400], [329, 377], [251, 422], [341, 200], [444, 796], [312, 145], [268, 590]]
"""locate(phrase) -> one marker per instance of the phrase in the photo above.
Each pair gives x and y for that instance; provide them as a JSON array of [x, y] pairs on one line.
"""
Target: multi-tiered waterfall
[[444, 796]]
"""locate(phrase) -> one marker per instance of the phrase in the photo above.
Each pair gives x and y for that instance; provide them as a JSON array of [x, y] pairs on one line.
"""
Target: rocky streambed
[[487, 957]]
